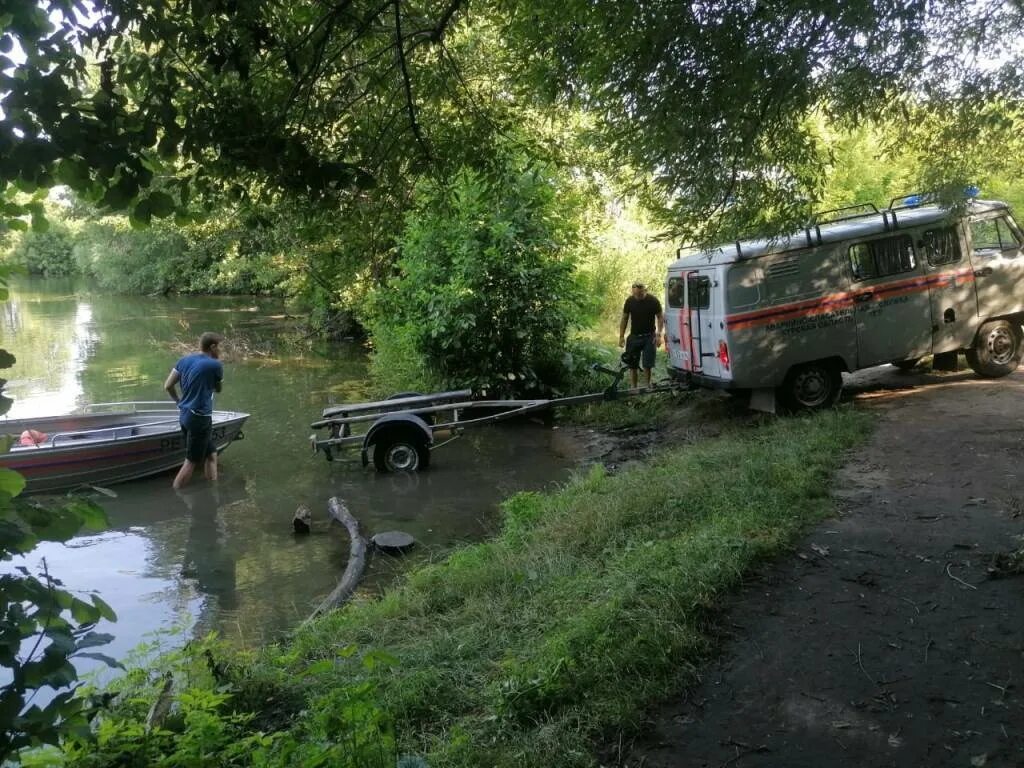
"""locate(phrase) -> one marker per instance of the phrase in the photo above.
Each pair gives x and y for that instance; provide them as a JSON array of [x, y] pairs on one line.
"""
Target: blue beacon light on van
[[971, 191]]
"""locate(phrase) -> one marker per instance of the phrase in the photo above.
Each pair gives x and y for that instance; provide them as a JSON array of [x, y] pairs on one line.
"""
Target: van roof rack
[[911, 200], [872, 210]]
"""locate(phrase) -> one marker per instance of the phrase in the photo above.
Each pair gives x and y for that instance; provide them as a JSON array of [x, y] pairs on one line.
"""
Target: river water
[[224, 558]]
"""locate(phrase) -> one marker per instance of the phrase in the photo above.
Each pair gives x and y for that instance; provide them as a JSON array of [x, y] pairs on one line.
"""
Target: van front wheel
[[811, 387], [997, 349]]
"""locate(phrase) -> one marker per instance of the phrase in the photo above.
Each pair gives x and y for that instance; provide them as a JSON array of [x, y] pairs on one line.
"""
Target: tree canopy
[[149, 106]]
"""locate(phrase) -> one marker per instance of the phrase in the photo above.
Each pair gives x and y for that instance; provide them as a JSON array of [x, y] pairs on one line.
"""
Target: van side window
[[940, 246], [881, 258], [699, 289], [743, 287], [675, 291], [992, 236]]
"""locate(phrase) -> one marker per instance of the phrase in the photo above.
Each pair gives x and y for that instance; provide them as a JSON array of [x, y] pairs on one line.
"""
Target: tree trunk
[[358, 554]]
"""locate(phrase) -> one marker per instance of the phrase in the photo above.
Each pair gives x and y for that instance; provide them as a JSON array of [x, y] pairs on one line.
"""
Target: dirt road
[[885, 640]]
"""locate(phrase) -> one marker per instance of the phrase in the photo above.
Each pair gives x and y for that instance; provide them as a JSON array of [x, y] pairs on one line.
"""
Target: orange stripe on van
[[836, 301]]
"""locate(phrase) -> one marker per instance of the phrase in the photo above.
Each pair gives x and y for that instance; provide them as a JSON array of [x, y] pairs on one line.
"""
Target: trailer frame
[[405, 428]]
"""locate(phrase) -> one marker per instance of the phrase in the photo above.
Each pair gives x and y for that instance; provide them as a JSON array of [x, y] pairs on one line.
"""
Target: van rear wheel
[[997, 349], [811, 387]]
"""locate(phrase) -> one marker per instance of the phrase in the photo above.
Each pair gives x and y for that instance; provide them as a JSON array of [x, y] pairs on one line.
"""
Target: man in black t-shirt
[[640, 312]]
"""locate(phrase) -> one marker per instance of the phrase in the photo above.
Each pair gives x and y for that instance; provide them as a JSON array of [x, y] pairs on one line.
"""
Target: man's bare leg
[[647, 376], [632, 377], [184, 475], [210, 468]]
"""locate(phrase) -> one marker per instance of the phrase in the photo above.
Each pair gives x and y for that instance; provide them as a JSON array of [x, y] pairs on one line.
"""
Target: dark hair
[[208, 339]]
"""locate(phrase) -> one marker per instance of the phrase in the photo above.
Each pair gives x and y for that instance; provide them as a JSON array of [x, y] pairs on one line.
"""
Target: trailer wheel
[[997, 349], [811, 387], [400, 451]]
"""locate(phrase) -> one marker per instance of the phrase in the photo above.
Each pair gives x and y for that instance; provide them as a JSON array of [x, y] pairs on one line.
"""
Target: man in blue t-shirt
[[200, 375]]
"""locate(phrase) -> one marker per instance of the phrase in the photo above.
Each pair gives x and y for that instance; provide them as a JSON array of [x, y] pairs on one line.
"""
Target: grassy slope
[[595, 600]]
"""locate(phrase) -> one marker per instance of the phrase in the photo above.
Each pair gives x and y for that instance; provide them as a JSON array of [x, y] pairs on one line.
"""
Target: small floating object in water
[[394, 542], [302, 522]]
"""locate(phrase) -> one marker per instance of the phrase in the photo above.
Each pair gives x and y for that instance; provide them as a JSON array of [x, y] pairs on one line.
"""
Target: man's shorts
[[639, 351], [198, 432]]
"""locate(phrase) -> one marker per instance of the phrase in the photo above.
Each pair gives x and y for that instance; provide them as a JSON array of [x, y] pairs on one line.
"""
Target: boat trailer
[[405, 428]]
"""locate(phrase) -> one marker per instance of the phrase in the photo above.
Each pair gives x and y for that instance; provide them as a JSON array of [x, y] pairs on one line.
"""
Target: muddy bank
[[884, 640]]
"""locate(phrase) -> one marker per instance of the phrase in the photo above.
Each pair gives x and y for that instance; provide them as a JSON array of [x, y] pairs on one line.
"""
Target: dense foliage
[[154, 109], [484, 293], [202, 706]]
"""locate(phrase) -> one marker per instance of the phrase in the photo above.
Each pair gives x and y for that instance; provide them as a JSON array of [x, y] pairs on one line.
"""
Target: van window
[[743, 287], [992, 236], [675, 291], [699, 289], [941, 246], [881, 258]]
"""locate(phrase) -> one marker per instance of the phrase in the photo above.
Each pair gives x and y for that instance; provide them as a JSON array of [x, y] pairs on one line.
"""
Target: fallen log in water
[[358, 554]]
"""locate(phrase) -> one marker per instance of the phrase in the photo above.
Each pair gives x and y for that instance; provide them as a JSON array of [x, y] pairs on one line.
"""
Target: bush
[[45, 252], [486, 292], [131, 261]]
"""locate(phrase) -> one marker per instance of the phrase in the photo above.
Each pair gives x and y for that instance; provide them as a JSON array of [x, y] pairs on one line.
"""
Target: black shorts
[[198, 432], [639, 351]]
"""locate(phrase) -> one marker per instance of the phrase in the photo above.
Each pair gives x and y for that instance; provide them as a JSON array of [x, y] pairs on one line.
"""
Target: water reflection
[[226, 556], [49, 330], [208, 558]]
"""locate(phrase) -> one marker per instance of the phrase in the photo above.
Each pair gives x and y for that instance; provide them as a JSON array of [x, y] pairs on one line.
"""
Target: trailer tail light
[[723, 354]]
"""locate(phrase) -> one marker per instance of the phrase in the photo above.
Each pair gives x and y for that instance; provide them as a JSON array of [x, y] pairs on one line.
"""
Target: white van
[[782, 319]]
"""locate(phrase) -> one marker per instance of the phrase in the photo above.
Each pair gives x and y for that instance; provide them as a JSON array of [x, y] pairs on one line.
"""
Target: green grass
[[594, 602], [532, 649]]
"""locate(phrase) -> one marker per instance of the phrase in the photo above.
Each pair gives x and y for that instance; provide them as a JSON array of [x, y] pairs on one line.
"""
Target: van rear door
[[704, 320], [677, 342]]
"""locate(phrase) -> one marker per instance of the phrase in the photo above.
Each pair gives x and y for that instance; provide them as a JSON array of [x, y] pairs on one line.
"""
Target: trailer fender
[[394, 426]]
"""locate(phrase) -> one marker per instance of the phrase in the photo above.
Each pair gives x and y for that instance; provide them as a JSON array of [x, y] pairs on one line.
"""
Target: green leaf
[[105, 610], [84, 613], [39, 222], [110, 662], [161, 205], [90, 514], [141, 215], [7, 360], [11, 482], [73, 172], [18, 225], [93, 640], [319, 668]]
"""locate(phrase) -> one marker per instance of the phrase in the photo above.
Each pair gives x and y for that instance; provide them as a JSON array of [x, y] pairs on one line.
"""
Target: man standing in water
[[640, 312], [200, 374]]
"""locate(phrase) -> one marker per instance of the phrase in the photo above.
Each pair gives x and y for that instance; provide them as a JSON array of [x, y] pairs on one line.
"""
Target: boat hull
[[104, 449]]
